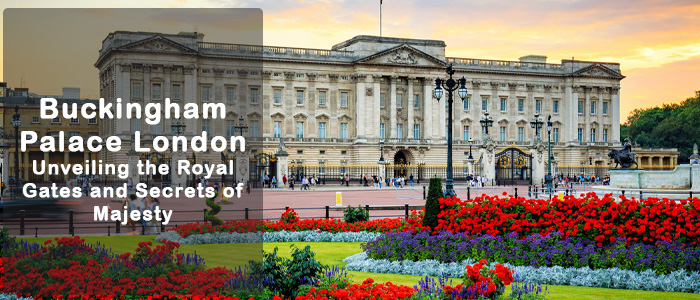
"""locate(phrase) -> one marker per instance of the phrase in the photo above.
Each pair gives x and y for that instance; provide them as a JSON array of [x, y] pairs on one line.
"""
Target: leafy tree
[[432, 203]]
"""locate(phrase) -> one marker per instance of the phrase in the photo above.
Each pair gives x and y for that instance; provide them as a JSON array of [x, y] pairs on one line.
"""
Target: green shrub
[[286, 275], [432, 203], [352, 214], [8, 243], [210, 215]]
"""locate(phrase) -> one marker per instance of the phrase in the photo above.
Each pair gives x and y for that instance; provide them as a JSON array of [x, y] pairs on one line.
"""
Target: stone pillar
[[587, 115], [190, 96], [410, 108], [361, 107], [392, 107], [488, 163], [539, 164], [133, 158], [376, 110], [615, 111], [695, 177], [427, 109], [382, 173], [123, 126], [242, 165], [282, 167], [570, 110], [46, 162], [178, 180]]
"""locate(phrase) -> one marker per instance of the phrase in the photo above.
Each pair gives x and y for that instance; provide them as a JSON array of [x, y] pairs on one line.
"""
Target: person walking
[[284, 180], [411, 179], [380, 182], [155, 224], [273, 183]]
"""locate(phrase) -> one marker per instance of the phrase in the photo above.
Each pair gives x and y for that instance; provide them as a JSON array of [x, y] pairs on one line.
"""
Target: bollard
[[162, 226], [536, 194], [529, 191], [328, 212], [246, 213], [567, 192], [406, 208], [640, 195], [469, 194], [21, 222], [286, 208], [623, 192], [71, 231], [205, 214], [516, 192], [423, 192], [109, 230], [36, 231], [118, 228], [367, 208]]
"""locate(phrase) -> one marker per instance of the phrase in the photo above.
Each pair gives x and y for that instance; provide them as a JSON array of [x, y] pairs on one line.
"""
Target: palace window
[[206, 93], [322, 98], [416, 101], [555, 106], [157, 91], [230, 94], [382, 130], [592, 135], [504, 104], [538, 105], [555, 134], [277, 96], [416, 131], [593, 107], [92, 121], [399, 131], [521, 105], [175, 92], [382, 100], [74, 120], [343, 130], [300, 97], [580, 134], [503, 134], [136, 90], [465, 103], [605, 108], [205, 126], [484, 104], [135, 125], [521, 134], [254, 95], [230, 129], [157, 129], [580, 107], [322, 130], [465, 133], [605, 135], [300, 130], [35, 119], [399, 100], [343, 99], [254, 129], [277, 129]]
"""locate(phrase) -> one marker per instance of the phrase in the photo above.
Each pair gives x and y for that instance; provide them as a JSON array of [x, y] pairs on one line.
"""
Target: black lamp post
[[537, 124], [486, 122], [548, 179], [471, 141], [16, 123], [178, 128], [241, 126], [450, 85], [381, 152]]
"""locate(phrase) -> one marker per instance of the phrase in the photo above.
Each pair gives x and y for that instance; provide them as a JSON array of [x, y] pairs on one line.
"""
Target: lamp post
[[548, 179], [381, 152], [486, 122], [16, 123], [537, 124], [241, 126], [471, 141], [178, 128], [450, 85]]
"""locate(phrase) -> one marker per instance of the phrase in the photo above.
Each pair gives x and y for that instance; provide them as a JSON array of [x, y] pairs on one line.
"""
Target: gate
[[157, 159], [260, 165], [513, 167]]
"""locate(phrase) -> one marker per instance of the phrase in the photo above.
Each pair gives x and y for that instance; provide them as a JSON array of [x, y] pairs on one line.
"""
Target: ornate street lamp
[[178, 127], [381, 152], [450, 85], [548, 179], [16, 123], [486, 122], [471, 141], [537, 124], [241, 126]]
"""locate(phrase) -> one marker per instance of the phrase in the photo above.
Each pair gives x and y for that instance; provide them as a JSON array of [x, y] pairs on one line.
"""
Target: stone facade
[[333, 107]]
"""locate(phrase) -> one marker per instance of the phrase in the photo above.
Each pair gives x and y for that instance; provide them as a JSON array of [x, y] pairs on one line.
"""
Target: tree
[[432, 203]]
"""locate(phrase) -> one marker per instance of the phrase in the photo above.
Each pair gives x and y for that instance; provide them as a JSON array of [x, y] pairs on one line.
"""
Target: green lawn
[[232, 255]]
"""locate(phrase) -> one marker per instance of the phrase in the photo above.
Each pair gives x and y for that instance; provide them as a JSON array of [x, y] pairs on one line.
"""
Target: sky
[[657, 42]]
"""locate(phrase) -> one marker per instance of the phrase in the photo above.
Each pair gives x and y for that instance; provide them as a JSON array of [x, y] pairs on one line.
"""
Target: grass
[[232, 255]]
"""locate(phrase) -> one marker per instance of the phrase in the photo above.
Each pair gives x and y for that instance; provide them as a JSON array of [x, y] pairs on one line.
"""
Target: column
[[123, 126], [360, 108], [133, 159], [427, 109], [376, 111], [615, 111], [190, 96], [476, 114], [410, 108], [570, 125], [46, 162], [282, 167], [587, 115], [392, 107], [178, 180], [442, 117]]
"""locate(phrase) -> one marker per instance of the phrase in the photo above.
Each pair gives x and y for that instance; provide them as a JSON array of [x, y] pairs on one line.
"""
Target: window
[[382, 100], [343, 130], [399, 131], [74, 120], [135, 125], [605, 108], [136, 90], [300, 130], [156, 91], [484, 104], [322, 130], [321, 98], [416, 101], [277, 95], [504, 103], [157, 129], [538, 105], [254, 129], [580, 134], [175, 92], [399, 100], [92, 121], [605, 135], [465, 133], [580, 107], [254, 95], [344, 99], [56, 120], [206, 93], [73, 133], [521, 134], [230, 94], [521, 105], [465, 103], [300, 97], [555, 134], [382, 130], [35, 119], [593, 107], [416, 131], [277, 129], [592, 135], [322, 152], [206, 71], [230, 129], [555, 106], [205, 126], [503, 134]]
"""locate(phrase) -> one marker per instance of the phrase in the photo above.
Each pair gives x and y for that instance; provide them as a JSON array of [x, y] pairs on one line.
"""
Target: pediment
[[598, 71], [158, 44], [402, 55]]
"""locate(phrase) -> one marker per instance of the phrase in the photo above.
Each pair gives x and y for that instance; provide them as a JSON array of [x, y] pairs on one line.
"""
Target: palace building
[[333, 110]]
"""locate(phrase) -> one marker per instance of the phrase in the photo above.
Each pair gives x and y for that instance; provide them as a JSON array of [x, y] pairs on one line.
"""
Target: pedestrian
[[284, 180], [130, 184], [313, 182], [411, 179], [365, 179], [216, 186], [291, 184], [380, 182], [155, 224], [273, 183]]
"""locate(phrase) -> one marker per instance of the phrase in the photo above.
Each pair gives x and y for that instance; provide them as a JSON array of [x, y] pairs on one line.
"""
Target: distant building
[[71, 93]]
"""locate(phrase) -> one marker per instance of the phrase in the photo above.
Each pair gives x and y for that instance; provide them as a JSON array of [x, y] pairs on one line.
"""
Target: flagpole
[[380, 18]]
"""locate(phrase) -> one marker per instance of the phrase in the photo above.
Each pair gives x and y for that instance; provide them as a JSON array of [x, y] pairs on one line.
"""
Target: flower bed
[[536, 250], [600, 219], [678, 281], [270, 237]]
